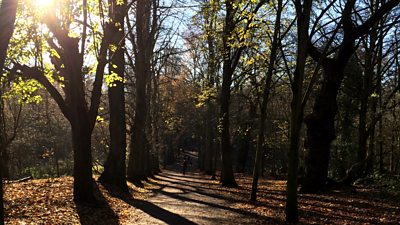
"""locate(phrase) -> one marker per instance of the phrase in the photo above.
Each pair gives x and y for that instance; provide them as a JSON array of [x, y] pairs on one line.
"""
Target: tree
[[210, 17], [232, 49], [68, 61], [115, 168], [321, 122], [138, 157], [303, 11], [265, 98], [8, 10]]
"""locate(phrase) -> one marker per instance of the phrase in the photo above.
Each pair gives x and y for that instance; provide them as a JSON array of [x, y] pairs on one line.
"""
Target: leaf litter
[[192, 198]]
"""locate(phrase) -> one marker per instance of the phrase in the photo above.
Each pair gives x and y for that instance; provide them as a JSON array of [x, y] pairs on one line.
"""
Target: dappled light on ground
[[173, 198]]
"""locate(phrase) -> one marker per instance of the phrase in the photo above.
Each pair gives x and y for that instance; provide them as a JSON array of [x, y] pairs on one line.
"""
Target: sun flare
[[43, 4]]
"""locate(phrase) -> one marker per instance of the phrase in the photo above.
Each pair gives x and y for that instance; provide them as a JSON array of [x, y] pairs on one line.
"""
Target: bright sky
[[43, 4]]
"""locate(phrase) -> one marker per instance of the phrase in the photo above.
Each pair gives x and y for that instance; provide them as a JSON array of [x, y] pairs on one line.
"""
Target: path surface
[[185, 201], [191, 199]]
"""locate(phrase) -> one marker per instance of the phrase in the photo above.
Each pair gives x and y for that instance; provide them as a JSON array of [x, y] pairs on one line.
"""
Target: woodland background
[[304, 90]]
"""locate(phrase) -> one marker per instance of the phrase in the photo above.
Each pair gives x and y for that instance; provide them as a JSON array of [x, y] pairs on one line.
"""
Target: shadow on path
[[158, 212], [151, 209], [212, 205], [99, 214]]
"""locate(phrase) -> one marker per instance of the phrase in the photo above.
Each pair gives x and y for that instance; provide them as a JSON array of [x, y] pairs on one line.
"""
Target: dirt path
[[186, 200], [191, 199]]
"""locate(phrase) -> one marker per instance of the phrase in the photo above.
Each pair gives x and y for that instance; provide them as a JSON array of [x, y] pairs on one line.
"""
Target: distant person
[[189, 160], [184, 165]]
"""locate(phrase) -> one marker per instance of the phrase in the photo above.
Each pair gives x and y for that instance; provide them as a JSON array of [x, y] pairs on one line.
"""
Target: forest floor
[[173, 198]]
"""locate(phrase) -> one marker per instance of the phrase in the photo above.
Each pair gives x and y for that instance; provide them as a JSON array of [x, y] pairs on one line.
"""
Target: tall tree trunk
[[367, 90], [369, 167], [115, 169], [264, 102], [154, 128], [392, 152], [81, 122], [231, 57], [362, 130], [81, 142], [381, 164], [138, 152], [137, 156], [210, 19], [321, 129], [208, 139], [297, 109], [227, 176], [8, 11]]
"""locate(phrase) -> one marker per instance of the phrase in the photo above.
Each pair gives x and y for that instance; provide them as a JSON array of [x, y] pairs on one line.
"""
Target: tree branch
[[98, 81], [366, 26], [35, 73]]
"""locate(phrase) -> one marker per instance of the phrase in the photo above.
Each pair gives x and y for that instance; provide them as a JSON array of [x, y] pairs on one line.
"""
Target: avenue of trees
[[308, 91]]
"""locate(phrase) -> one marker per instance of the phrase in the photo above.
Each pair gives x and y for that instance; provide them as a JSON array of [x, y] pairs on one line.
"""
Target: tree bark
[[297, 109], [81, 141], [209, 139], [137, 168], [321, 129], [137, 157], [82, 122], [115, 168], [227, 176], [367, 89], [8, 11], [264, 103], [211, 125], [155, 131]]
